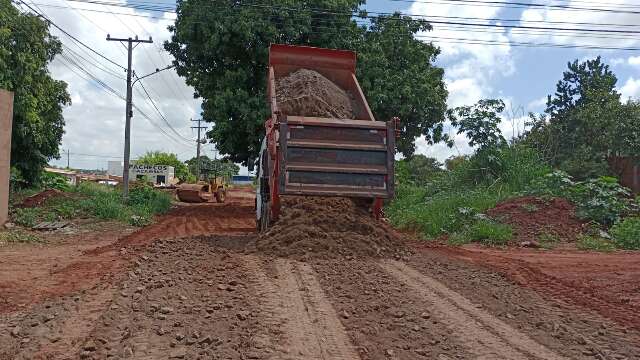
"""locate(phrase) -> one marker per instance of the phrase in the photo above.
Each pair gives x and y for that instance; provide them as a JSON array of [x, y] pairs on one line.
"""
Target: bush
[[53, 181], [626, 233], [449, 201], [602, 200], [27, 217], [489, 233], [592, 242], [510, 166], [106, 203]]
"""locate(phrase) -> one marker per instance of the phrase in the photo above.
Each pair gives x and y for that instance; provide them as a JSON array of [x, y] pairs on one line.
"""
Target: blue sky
[[521, 76]]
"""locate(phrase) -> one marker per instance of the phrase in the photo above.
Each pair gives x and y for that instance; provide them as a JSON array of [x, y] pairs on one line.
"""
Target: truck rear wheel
[[265, 216], [220, 195]]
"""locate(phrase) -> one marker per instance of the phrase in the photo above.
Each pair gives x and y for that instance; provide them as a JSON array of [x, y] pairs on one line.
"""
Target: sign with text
[[149, 169]]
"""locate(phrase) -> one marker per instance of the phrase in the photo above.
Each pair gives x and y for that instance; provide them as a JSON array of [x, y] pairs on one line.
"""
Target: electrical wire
[[458, 26], [69, 35], [160, 113]]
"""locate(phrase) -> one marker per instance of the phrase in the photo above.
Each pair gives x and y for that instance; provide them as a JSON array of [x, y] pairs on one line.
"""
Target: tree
[[221, 48], [398, 78], [418, 169], [26, 48], [213, 167], [480, 123], [584, 122], [161, 158]]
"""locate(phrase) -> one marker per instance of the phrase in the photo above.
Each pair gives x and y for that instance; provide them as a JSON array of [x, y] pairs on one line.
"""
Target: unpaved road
[[175, 295]]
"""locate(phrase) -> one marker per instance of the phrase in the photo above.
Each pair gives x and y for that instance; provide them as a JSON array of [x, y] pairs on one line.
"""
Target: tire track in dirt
[[563, 290], [77, 325], [484, 335], [294, 302]]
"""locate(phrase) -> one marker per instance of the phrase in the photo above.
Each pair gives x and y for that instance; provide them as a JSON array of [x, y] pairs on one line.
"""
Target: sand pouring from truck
[[321, 138]]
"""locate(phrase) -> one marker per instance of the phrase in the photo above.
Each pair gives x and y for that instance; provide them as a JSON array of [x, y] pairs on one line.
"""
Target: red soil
[[606, 283], [531, 217], [39, 198], [88, 259]]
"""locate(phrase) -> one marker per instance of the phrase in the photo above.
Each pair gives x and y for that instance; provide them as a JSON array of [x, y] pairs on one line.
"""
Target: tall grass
[[99, 201], [106, 202], [450, 202]]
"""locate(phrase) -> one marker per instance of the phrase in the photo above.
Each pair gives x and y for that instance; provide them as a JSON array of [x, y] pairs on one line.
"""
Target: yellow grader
[[203, 191]]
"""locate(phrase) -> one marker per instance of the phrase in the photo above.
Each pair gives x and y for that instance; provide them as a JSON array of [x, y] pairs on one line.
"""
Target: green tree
[[221, 48], [161, 158], [213, 167], [398, 77], [585, 122], [480, 123], [418, 169], [26, 48]]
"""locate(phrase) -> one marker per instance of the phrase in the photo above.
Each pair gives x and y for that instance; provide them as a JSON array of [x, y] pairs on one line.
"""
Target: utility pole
[[68, 167], [128, 111], [198, 142]]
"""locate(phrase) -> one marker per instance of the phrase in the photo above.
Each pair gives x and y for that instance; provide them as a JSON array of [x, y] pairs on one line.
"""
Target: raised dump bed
[[309, 151]]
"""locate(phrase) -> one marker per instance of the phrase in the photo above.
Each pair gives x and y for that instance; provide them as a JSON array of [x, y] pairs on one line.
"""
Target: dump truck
[[322, 156], [203, 191]]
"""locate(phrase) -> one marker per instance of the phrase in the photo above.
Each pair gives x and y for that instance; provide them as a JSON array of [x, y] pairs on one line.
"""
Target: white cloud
[[564, 15], [470, 65], [537, 104], [470, 60], [631, 89], [634, 60], [617, 61], [441, 151], [465, 91], [95, 120]]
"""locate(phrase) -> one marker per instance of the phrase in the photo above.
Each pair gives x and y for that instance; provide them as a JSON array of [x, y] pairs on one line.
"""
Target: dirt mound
[[317, 227], [39, 198], [538, 220], [307, 93]]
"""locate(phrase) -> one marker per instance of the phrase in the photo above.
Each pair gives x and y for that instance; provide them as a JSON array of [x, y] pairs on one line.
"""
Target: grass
[[548, 240], [98, 201], [452, 199], [17, 236], [486, 232], [626, 233], [444, 212], [490, 233], [596, 243]]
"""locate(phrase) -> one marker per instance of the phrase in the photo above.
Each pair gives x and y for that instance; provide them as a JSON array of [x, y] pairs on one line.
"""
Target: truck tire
[[221, 195], [265, 218]]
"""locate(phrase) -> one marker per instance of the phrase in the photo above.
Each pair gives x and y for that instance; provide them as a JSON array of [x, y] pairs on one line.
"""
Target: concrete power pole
[[128, 111], [68, 159], [198, 142], [6, 118]]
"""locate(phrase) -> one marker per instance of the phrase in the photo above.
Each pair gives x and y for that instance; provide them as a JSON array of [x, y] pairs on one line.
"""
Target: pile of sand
[[321, 227], [307, 93]]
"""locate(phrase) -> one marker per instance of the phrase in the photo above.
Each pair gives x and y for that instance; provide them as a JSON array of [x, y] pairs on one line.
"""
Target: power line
[[451, 24], [69, 35], [158, 7], [160, 113], [514, 4]]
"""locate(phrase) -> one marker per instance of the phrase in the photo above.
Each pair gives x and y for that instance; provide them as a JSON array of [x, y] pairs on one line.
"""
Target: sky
[[522, 76]]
